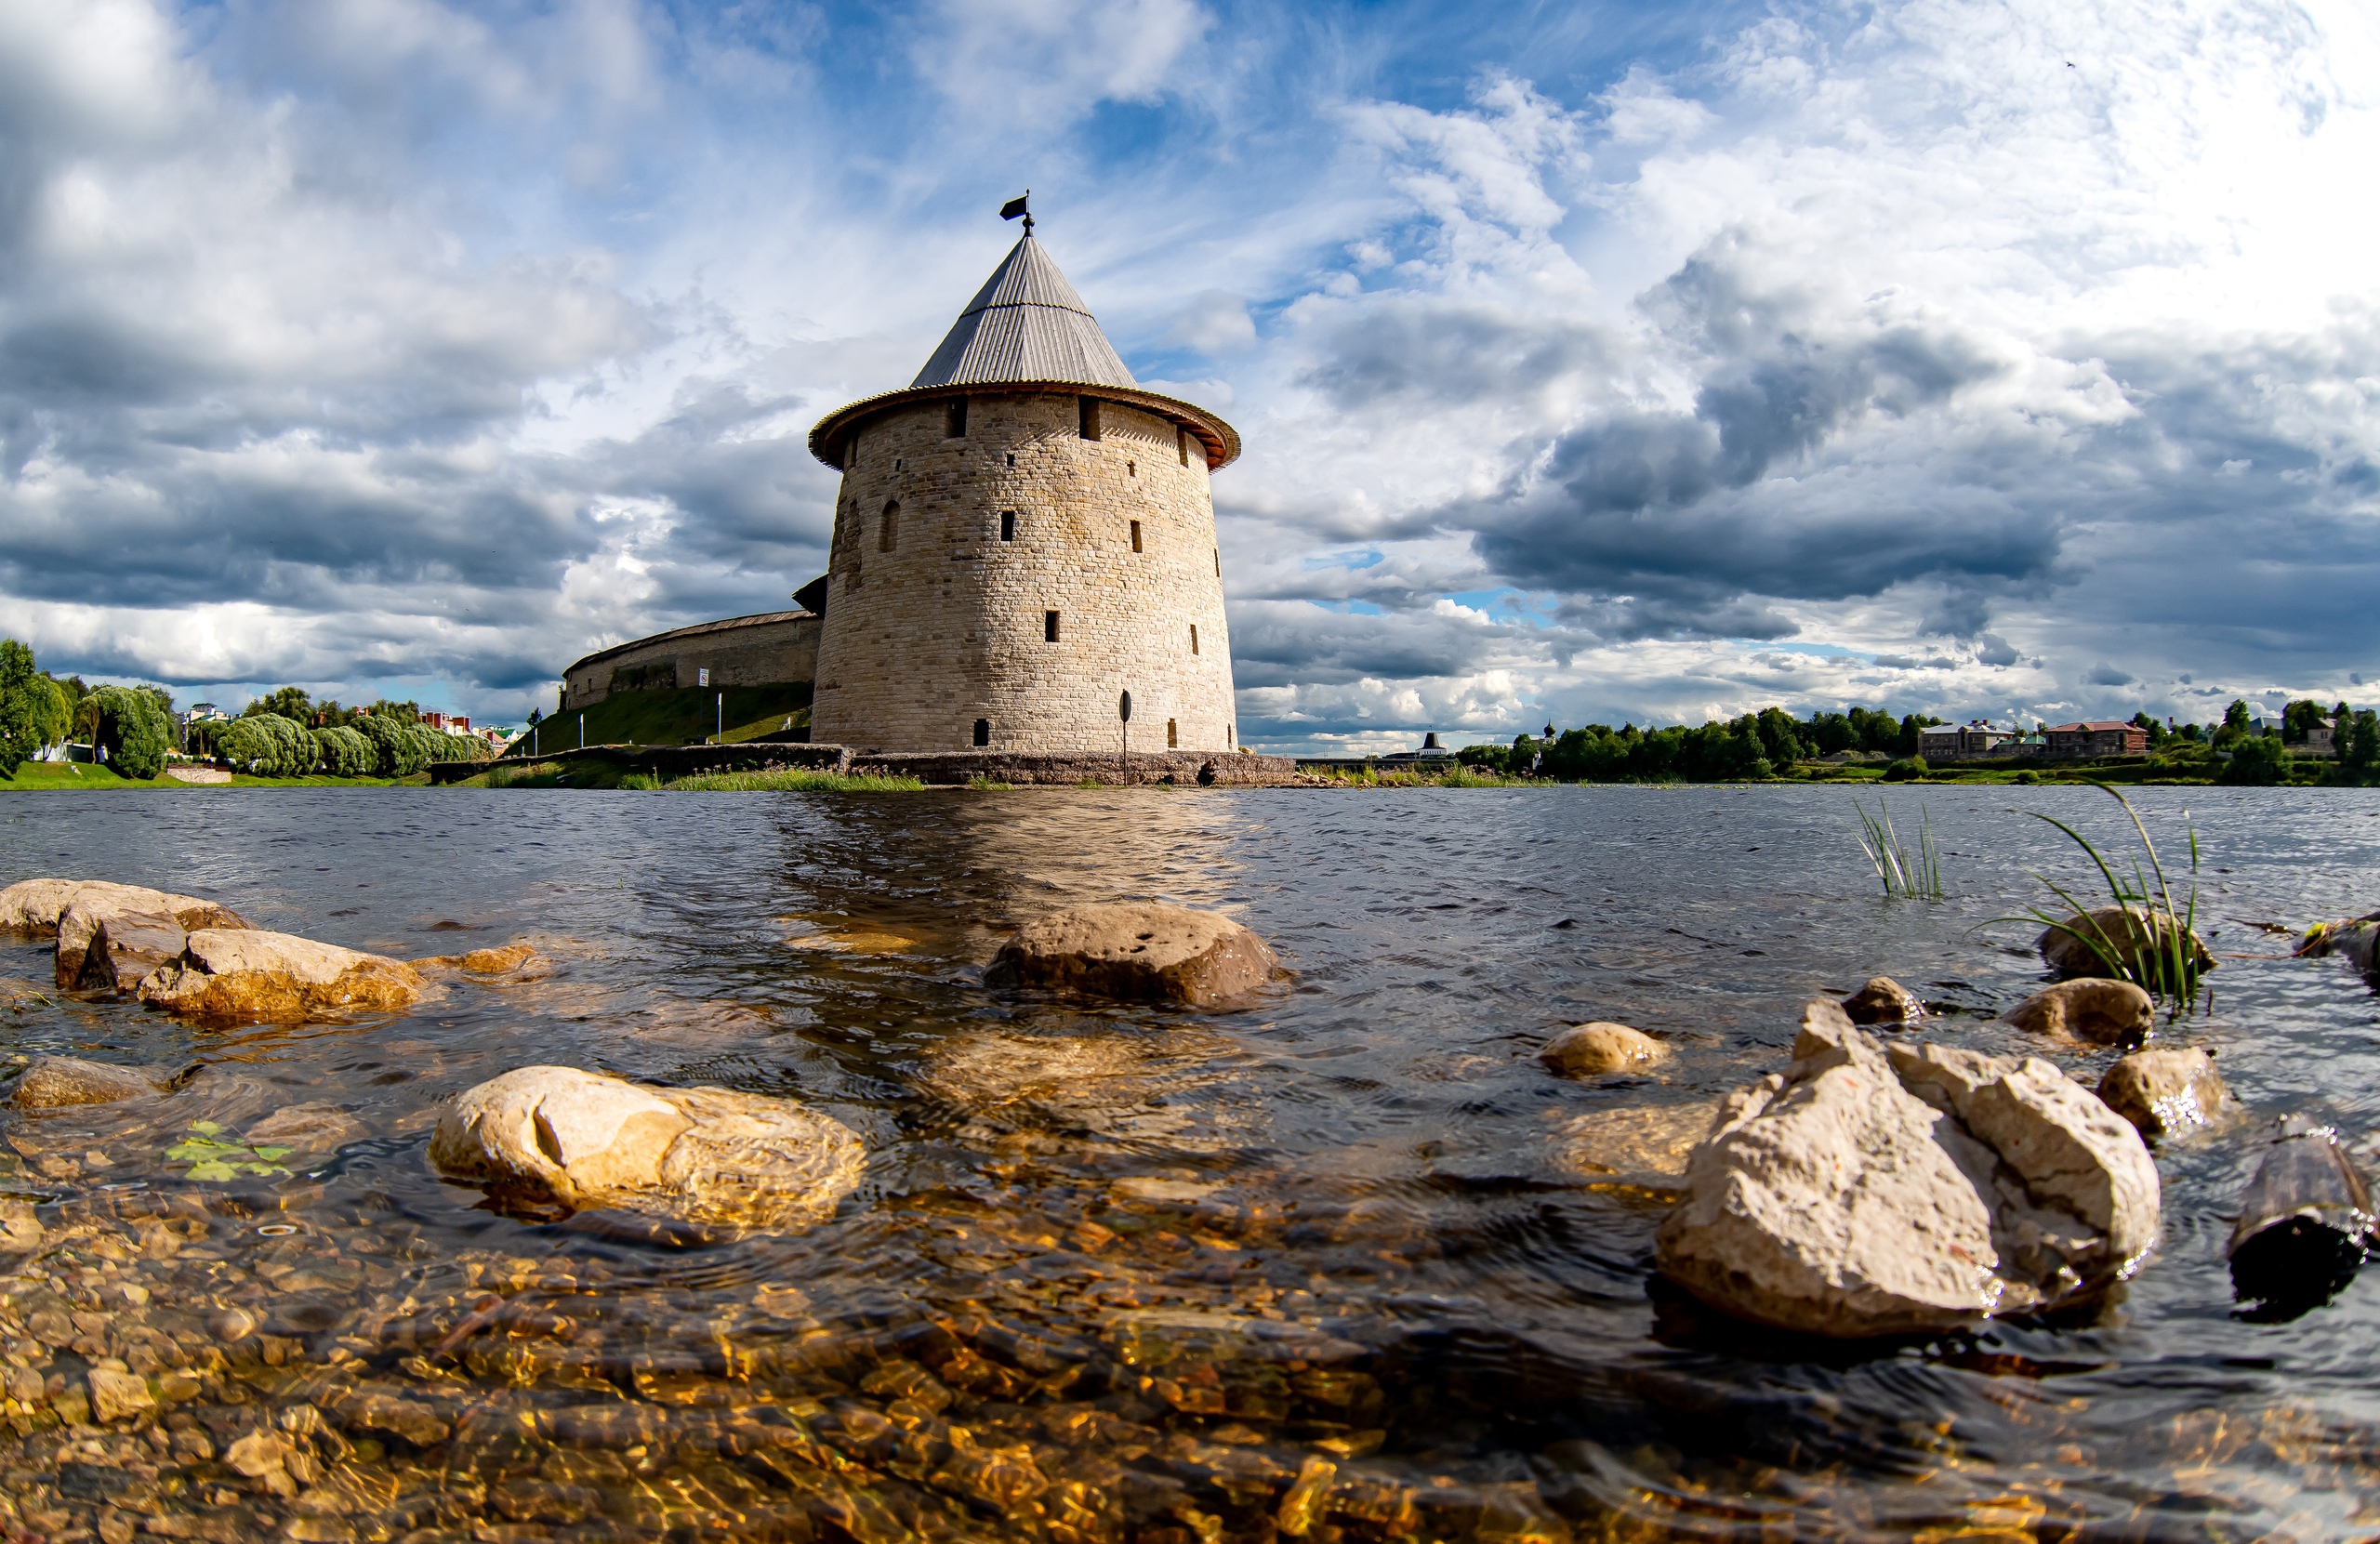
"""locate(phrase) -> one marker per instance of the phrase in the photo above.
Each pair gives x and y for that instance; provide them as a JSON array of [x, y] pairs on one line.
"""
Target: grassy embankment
[[88, 775], [678, 717], [603, 774]]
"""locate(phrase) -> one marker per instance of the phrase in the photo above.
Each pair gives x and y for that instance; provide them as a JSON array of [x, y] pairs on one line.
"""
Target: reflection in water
[[1349, 1264]]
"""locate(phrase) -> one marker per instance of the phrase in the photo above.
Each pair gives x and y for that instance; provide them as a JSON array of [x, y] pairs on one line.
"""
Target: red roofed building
[[2097, 739]]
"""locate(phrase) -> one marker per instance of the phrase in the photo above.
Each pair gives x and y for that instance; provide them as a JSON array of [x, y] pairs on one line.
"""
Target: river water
[[1348, 1264]]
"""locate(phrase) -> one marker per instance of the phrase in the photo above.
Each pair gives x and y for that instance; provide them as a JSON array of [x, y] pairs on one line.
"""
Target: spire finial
[[1016, 206]]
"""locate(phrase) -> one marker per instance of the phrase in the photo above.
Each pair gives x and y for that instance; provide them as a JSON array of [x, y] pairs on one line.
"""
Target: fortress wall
[[947, 625], [755, 654]]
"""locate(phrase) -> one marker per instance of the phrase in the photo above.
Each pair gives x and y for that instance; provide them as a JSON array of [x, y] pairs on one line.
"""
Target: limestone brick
[[933, 621]]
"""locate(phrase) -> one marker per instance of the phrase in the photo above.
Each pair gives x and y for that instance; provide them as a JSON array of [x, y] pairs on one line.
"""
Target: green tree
[[2359, 743], [2257, 760], [289, 702], [2155, 727], [2298, 720], [131, 728], [35, 710]]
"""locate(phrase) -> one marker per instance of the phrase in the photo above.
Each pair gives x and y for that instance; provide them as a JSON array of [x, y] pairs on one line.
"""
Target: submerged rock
[[127, 947], [1883, 1001], [1138, 951], [2163, 1091], [313, 1127], [72, 910], [487, 962], [63, 1082], [2306, 1220], [1875, 1191], [2097, 1009], [2140, 939], [1643, 1145], [247, 976], [1593, 1049], [704, 1155]]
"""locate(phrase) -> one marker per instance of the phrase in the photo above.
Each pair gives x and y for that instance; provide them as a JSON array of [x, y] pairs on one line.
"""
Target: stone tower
[[1022, 535]]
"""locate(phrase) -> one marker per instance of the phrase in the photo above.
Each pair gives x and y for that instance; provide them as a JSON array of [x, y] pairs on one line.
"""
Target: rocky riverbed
[[1339, 1255]]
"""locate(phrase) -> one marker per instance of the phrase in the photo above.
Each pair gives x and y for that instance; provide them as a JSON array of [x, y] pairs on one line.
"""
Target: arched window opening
[[888, 530]]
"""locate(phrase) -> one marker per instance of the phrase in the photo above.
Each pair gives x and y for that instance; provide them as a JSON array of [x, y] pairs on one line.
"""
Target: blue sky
[[1594, 362]]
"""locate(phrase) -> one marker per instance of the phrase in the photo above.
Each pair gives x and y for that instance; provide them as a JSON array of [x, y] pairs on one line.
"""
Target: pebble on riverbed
[[1883, 1001], [1599, 1048], [1888, 1189], [708, 1156], [1136, 951], [2164, 1092]]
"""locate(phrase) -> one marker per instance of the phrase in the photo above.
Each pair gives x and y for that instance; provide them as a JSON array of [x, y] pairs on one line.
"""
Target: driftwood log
[[2306, 1220]]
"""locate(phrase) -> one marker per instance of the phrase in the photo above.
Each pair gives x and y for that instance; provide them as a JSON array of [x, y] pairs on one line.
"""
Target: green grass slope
[[680, 717]]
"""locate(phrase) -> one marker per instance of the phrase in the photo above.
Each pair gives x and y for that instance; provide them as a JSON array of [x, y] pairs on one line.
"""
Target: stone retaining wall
[[943, 768]]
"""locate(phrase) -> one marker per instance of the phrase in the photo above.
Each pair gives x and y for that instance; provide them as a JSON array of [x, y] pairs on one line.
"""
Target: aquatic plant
[[793, 780], [2158, 952], [989, 786], [211, 1159], [1915, 875]]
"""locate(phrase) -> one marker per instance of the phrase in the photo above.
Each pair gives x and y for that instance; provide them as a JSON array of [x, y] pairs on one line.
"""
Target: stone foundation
[[950, 768]]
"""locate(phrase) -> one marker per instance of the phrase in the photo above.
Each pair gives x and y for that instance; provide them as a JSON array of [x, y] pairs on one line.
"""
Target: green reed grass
[[793, 780], [1914, 874], [2165, 963]]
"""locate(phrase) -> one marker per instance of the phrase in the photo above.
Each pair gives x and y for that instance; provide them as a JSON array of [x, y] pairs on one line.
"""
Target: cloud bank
[[1629, 365]]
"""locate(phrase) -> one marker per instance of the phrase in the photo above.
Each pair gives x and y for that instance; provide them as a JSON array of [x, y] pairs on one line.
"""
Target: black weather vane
[[1015, 207]]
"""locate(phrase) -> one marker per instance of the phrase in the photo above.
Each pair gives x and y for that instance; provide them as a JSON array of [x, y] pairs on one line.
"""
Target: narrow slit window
[[1136, 536], [1172, 735], [1226, 734], [1012, 458], [1219, 563], [983, 732], [1194, 638], [955, 418], [1088, 408], [1132, 468], [1182, 444], [1008, 525], [851, 452], [1048, 627], [887, 529]]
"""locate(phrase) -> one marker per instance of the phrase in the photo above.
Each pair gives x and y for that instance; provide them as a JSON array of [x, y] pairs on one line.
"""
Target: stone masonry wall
[[946, 626], [761, 653]]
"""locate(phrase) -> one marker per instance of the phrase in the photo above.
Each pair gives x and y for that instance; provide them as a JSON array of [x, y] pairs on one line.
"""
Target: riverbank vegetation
[[672, 715]]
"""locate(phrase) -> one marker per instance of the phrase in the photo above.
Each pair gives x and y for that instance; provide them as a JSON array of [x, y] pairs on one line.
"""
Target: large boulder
[[130, 946], [63, 1082], [1868, 1191], [2162, 1093], [245, 976], [1138, 951], [706, 1156], [2141, 940], [73, 909], [2096, 1009], [1599, 1048]]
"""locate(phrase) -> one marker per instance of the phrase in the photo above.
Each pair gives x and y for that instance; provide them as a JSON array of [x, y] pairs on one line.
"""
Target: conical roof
[[1026, 324]]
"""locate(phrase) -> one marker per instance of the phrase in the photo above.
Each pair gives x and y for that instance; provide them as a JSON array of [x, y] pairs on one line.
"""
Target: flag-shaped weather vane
[[1015, 207]]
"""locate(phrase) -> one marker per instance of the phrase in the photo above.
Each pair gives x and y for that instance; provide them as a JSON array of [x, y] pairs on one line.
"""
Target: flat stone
[[1597, 1049], [118, 1395], [1883, 1001], [2135, 937], [487, 962], [257, 1454], [1136, 951], [2162, 1093], [251, 976], [704, 1155], [127, 947], [2096, 1009], [61, 1082], [1875, 1191]]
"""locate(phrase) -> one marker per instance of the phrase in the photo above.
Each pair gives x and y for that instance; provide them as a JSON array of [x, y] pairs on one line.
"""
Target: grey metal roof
[[1026, 324]]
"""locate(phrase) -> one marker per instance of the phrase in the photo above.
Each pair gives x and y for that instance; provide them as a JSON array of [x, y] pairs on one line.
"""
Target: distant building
[[1957, 742], [2096, 739], [773, 648], [2322, 739], [1430, 751]]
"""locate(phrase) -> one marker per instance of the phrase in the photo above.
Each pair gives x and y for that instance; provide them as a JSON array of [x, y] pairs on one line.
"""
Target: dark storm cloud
[[1284, 644], [1414, 352]]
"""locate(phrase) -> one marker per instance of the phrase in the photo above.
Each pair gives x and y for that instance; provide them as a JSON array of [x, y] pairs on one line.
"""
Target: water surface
[[1338, 1265]]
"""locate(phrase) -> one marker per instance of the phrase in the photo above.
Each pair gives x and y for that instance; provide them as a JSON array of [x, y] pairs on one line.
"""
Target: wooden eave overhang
[[833, 432]]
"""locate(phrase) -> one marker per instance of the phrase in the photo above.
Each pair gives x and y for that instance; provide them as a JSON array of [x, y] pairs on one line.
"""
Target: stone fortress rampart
[[769, 648], [1005, 565]]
